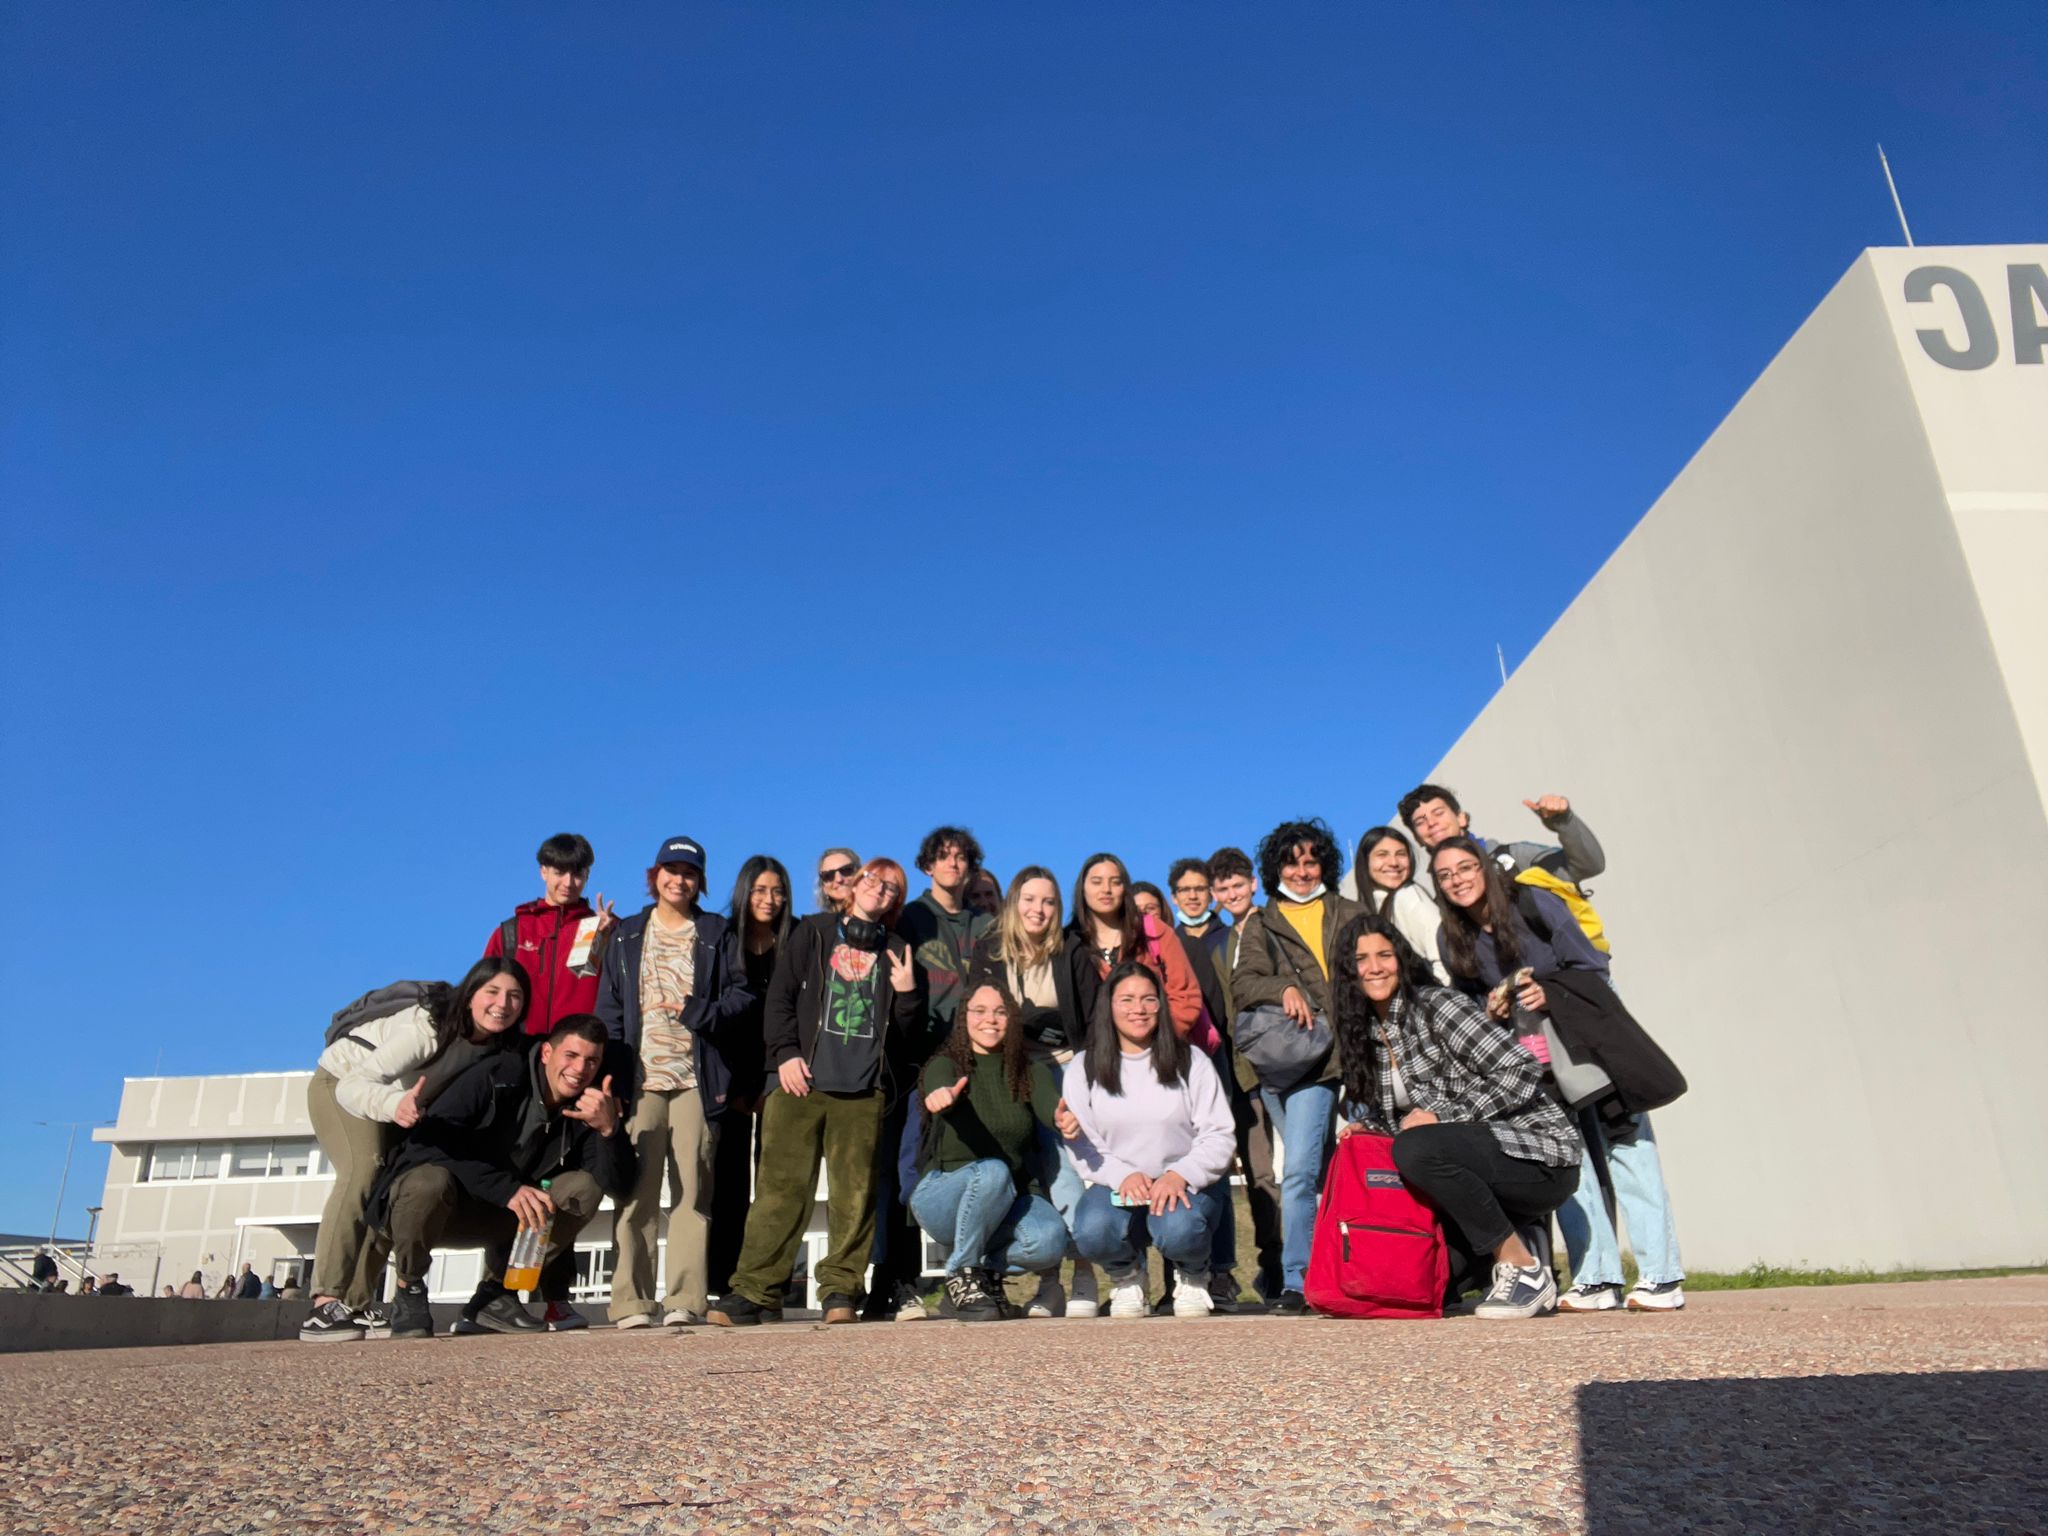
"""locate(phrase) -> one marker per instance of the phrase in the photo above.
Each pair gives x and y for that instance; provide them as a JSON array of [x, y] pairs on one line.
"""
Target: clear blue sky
[[430, 427]]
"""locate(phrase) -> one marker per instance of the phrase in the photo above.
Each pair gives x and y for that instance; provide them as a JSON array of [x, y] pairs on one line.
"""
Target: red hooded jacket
[[546, 935]]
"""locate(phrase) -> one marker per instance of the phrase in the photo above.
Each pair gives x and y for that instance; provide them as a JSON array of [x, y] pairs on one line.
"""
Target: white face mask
[[1287, 893]]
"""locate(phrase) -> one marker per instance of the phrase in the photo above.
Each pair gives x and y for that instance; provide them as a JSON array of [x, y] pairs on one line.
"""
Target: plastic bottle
[[529, 1248]]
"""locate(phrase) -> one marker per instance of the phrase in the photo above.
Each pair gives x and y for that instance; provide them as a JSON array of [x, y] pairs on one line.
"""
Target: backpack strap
[[508, 937], [1532, 914]]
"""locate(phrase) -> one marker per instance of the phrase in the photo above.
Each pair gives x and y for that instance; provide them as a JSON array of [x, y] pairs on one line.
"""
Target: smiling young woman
[[1152, 1135], [674, 983], [1488, 937], [371, 1084], [1474, 1129], [844, 1007], [987, 1103]]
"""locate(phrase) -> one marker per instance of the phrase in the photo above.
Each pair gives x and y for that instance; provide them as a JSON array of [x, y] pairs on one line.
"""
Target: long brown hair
[[959, 1049], [1495, 911], [1131, 940]]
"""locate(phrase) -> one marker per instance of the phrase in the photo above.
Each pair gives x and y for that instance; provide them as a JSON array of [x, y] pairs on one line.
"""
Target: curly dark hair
[[935, 842], [1353, 1010], [1278, 846], [959, 1049]]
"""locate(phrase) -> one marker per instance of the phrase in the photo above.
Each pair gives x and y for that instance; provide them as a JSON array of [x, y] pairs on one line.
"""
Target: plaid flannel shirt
[[1463, 1067]]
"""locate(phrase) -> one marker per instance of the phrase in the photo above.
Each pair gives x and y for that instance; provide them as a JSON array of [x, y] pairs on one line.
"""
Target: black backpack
[[384, 1002]]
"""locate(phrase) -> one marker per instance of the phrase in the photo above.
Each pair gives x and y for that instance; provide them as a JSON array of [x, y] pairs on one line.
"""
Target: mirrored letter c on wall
[[1982, 350]]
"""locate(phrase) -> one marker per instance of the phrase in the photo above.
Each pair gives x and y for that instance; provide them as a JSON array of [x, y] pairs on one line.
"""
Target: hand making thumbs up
[[407, 1113], [939, 1100]]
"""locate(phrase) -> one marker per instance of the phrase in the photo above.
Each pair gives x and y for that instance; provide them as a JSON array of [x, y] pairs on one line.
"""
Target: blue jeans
[[1115, 1236], [1302, 1117], [1062, 1182], [978, 1211], [1638, 1177]]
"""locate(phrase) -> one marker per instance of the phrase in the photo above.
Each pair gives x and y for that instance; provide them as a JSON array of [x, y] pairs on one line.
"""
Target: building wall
[[1786, 705]]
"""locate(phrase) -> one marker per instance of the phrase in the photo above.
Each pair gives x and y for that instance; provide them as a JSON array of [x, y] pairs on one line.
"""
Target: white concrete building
[[1805, 708], [205, 1173]]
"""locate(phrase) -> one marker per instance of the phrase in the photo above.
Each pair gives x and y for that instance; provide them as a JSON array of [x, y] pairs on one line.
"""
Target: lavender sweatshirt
[[1182, 1128]]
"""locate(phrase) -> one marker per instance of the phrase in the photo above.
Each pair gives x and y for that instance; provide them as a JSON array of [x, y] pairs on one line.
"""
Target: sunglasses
[[843, 872]]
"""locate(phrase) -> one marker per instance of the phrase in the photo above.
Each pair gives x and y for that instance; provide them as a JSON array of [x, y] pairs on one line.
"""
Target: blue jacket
[[719, 1000]]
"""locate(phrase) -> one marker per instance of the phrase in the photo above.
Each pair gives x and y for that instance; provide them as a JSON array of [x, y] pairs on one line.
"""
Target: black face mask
[[863, 933]]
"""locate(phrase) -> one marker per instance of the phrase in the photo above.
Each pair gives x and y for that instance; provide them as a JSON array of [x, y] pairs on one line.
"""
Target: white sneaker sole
[[1608, 1302], [634, 1320], [1655, 1303], [1084, 1309]]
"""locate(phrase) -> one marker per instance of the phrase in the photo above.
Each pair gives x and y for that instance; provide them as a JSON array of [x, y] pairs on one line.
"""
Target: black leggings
[[1485, 1195]]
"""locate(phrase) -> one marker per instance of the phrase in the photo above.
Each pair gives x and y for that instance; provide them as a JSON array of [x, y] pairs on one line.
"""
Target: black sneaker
[[1292, 1304], [374, 1321], [992, 1281], [1223, 1292], [410, 1318], [840, 1308], [906, 1304], [331, 1322], [736, 1311], [1518, 1292], [967, 1299], [506, 1313]]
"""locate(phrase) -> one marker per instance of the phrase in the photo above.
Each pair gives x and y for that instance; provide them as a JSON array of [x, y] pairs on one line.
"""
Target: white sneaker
[[1127, 1297], [1191, 1296], [634, 1320], [1590, 1298], [681, 1318], [1050, 1299], [1668, 1297], [1084, 1300]]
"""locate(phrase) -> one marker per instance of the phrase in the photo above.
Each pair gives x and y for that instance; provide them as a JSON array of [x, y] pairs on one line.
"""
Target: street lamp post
[[57, 1216]]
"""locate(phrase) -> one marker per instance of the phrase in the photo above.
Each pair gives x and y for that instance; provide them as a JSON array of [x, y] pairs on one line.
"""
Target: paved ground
[[1862, 1408]]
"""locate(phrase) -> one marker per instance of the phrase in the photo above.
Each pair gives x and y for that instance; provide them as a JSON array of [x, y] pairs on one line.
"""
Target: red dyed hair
[[891, 871]]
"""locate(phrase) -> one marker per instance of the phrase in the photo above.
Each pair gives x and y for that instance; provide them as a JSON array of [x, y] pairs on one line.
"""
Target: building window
[[186, 1161], [252, 1160], [171, 1160]]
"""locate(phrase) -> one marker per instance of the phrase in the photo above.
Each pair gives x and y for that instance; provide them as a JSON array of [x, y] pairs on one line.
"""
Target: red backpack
[[1378, 1249]]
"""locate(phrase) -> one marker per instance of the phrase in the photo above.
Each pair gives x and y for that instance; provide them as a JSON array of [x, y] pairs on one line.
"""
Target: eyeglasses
[[1191, 890], [1456, 871], [1142, 1004], [996, 1012], [889, 887], [835, 876]]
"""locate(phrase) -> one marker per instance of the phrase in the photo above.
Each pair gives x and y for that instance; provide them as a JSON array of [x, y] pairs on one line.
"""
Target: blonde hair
[[1013, 944]]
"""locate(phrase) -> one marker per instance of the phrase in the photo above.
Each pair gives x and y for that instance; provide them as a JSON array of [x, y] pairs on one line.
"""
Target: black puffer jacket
[[478, 1130]]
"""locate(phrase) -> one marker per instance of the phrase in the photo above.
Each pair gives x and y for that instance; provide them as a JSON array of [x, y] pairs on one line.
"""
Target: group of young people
[[1034, 1077]]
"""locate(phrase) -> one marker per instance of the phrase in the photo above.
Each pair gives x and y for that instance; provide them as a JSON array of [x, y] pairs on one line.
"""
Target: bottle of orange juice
[[529, 1248]]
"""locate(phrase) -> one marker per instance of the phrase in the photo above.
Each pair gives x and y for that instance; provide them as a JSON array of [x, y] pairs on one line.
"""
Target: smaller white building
[[208, 1173]]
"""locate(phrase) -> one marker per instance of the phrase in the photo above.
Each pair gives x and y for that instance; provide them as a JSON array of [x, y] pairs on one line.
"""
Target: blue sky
[[423, 429]]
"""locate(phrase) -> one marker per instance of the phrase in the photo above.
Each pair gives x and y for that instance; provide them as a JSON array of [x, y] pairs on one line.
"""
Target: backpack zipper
[[1346, 1228]]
